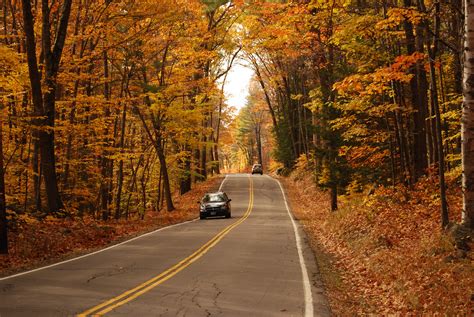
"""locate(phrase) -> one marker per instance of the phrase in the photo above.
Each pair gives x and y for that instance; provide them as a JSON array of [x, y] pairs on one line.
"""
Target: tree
[[44, 98], [3, 210], [467, 121]]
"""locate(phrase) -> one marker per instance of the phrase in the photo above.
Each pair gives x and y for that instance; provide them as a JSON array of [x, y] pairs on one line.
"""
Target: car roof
[[216, 193]]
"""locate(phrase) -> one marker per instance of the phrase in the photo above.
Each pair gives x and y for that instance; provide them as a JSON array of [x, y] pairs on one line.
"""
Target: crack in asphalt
[[7, 287], [112, 272], [196, 292], [218, 293]]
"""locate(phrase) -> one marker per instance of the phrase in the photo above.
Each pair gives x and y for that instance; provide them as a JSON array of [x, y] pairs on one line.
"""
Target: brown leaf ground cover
[[34, 243], [385, 254]]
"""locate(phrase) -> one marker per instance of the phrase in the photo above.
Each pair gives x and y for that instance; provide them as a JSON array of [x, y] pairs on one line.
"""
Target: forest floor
[[36, 243], [385, 253]]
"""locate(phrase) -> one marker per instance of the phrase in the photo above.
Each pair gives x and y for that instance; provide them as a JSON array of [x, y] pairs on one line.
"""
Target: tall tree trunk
[[467, 121], [217, 164], [164, 171], [36, 172], [204, 155], [44, 101], [106, 164], [418, 87], [258, 136], [457, 35], [185, 183], [48, 168], [432, 52], [72, 113], [3, 209], [160, 151], [120, 171], [158, 192]]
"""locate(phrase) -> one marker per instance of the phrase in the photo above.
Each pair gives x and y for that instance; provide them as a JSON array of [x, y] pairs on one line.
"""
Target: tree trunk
[[467, 121], [36, 172], [258, 136], [215, 150], [164, 172], [44, 101], [185, 183], [334, 197], [457, 35], [204, 156], [3, 211], [106, 164], [158, 192], [48, 168], [120, 171], [418, 89], [432, 52]]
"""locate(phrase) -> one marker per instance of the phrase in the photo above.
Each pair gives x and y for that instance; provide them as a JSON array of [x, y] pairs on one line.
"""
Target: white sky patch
[[236, 88]]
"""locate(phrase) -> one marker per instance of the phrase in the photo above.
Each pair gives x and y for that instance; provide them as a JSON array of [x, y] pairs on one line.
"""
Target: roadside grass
[[35, 243], [385, 254]]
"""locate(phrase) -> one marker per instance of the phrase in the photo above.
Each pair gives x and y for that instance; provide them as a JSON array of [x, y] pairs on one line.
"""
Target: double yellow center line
[[141, 289]]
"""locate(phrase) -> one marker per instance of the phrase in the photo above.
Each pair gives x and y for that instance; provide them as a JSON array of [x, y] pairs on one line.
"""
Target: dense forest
[[365, 93], [110, 108], [111, 111], [368, 92]]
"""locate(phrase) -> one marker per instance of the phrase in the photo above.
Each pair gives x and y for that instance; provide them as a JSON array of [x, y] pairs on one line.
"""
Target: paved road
[[248, 265]]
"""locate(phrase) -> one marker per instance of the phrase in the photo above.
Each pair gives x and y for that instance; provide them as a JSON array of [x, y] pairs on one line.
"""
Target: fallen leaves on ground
[[386, 253], [34, 242]]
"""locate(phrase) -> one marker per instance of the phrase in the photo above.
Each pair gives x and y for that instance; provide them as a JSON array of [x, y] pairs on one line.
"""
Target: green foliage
[[213, 5], [283, 151]]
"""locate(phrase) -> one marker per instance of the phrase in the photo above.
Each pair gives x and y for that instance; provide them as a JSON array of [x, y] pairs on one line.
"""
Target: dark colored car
[[257, 169], [214, 205]]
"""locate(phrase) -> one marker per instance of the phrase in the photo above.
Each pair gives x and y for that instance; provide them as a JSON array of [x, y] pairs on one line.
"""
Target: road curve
[[253, 264]]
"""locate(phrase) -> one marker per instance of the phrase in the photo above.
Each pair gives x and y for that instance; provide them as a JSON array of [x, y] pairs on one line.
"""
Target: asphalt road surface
[[254, 264]]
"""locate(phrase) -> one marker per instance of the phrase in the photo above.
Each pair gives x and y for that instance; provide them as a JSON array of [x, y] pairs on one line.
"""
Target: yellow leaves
[[13, 72], [28, 219], [316, 102], [277, 28], [328, 4], [396, 16], [296, 97]]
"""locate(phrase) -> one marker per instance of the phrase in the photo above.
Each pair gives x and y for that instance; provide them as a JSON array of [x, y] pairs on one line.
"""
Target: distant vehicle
[[215, 205], [257, 169]]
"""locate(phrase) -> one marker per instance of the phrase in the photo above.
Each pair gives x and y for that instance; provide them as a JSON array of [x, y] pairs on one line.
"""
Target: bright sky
[[237, 85]]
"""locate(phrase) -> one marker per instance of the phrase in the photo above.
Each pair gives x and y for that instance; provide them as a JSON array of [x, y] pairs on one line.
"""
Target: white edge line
[[102, 250], [222, 183], [308, 311], [95, 252]]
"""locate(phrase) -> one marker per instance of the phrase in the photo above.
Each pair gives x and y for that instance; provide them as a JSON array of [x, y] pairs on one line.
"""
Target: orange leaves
[[381, 79], [384, 254], [404, 62]]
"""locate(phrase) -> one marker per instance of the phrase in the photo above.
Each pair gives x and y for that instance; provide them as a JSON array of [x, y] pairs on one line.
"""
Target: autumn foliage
[[110, 110], [383, 253]]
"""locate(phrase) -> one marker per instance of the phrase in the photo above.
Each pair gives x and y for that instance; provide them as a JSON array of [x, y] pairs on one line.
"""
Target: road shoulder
[[311, 257]]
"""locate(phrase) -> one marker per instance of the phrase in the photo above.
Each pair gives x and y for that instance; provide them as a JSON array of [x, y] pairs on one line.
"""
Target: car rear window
[[214, 198]]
